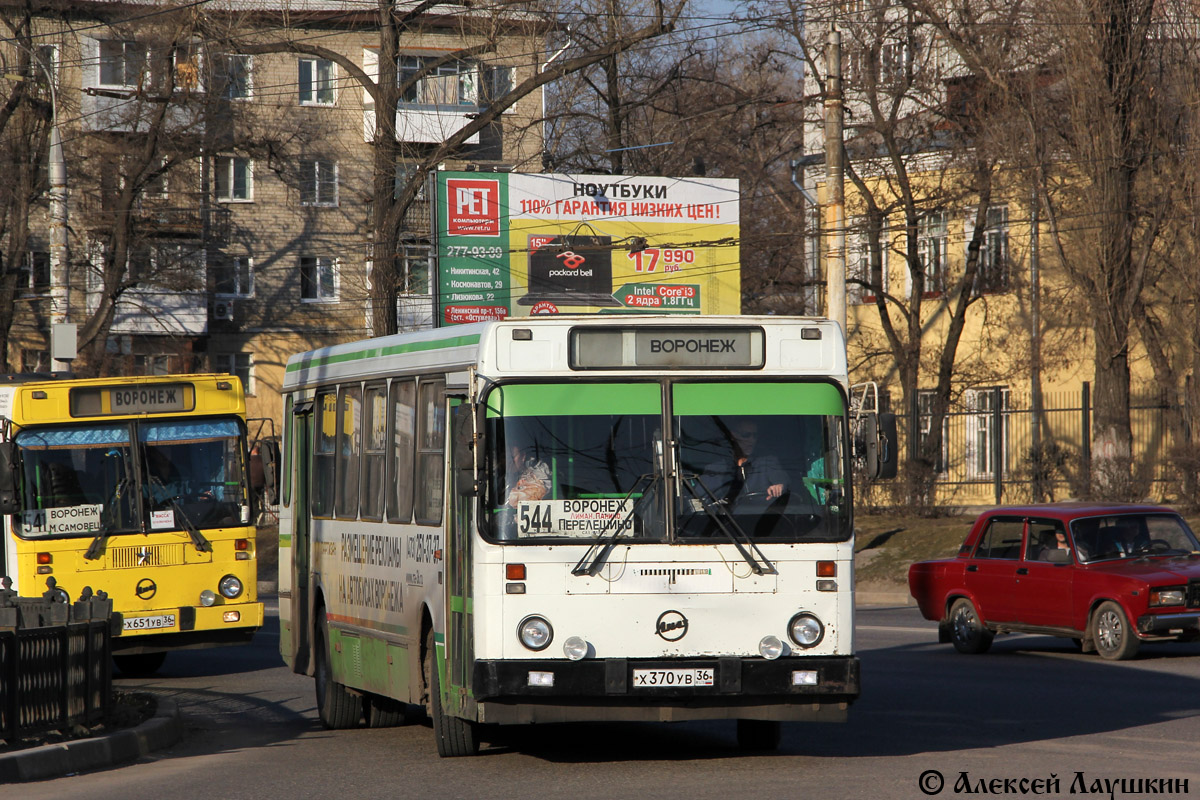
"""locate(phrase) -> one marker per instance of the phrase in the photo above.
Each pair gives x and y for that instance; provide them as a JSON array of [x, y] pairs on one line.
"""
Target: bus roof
[[792, 346]]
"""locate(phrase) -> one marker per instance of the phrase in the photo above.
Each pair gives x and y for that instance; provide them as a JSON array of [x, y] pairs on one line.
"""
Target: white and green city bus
[[667, 565]]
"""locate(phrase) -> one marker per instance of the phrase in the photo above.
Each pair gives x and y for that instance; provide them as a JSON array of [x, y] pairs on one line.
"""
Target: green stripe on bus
[[456, 604], [704, 399], [377, 352], [566, 400]]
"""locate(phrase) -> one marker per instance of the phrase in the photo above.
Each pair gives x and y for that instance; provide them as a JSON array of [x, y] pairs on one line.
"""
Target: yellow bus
[[137, 487]]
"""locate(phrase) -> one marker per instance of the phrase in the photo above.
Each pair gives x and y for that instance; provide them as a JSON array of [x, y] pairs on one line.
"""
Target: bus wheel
[[759, 734], [383, 712], [455, 736], [140, 664], [336, 707]]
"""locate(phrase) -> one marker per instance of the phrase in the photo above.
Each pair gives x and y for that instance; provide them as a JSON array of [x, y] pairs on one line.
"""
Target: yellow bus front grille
[[151, 555]]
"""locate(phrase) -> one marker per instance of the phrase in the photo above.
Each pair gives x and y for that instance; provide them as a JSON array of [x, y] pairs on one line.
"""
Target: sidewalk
[[55, 760]]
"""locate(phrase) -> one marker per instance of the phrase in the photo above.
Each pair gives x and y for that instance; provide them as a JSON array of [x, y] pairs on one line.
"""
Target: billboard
[[513, 244]]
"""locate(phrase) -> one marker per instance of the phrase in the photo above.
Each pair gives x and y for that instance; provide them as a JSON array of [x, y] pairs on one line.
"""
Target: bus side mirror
[[10, 502], [880, 445], [465, 482]]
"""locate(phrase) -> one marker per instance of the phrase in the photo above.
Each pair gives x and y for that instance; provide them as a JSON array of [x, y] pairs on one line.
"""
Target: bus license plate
[[149, 623], [672, 677]]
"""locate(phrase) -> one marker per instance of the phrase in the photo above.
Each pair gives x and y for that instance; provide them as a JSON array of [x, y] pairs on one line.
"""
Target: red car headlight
[[1169, 596]]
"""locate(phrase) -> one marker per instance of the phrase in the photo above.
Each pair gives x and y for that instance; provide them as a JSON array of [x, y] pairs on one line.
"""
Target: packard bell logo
[[671, 626]]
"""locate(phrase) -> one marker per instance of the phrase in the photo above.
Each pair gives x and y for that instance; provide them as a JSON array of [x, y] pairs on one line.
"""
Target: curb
[[884, 599], [56, 760]]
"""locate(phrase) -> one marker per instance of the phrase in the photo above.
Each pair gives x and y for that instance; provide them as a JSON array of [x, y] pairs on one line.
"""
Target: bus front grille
[[155, 555]]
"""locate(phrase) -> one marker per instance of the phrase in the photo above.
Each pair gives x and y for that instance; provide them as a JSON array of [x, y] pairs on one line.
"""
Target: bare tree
[[24, 126], [482, 29]]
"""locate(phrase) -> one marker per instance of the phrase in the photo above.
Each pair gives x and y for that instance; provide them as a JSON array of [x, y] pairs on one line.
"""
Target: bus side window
[[322, 493], [402, 414], [374, 441], [349, 451], [431, 455]]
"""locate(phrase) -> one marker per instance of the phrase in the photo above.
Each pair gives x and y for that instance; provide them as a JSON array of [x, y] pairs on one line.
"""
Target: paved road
[[1029, 709]]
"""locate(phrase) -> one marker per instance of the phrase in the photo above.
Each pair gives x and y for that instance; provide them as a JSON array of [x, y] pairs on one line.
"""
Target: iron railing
[[55, 661]]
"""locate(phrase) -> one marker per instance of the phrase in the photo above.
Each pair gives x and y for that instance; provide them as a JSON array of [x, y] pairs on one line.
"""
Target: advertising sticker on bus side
[[584, 518]]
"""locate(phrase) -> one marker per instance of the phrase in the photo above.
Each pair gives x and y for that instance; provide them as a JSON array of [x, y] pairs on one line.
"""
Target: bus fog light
[[232, 616], [541, 679], [230, 587], [208, 598], [575, 648], [804, 678], [770, 647], [535, 633], [806, 630]]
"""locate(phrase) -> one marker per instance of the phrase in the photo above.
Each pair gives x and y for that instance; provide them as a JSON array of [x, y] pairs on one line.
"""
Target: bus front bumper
[[194, 627], [618, 689]]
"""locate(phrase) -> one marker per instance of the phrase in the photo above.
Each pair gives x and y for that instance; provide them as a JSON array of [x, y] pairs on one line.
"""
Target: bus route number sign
[[583, 518]]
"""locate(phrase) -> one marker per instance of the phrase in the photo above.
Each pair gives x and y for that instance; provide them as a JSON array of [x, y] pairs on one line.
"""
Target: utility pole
[[835, 210]]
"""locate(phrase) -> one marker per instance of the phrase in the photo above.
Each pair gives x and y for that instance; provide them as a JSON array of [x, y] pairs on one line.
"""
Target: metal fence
[[55, 662], [1042, 455]]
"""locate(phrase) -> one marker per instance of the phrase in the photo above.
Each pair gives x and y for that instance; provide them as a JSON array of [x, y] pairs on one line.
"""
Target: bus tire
[[383, 712], [336, 707], [759, 734], [139, 665], [455, 736]]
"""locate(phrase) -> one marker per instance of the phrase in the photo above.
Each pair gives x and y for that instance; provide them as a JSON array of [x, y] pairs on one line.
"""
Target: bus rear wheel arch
[[336, 706]]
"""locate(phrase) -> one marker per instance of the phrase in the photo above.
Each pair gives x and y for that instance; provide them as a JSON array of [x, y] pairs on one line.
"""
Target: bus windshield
[[84, 480], [581, 461]]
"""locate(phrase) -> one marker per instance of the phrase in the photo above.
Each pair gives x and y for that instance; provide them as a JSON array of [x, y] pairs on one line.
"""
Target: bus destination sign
[[693, 347], [164, 398]]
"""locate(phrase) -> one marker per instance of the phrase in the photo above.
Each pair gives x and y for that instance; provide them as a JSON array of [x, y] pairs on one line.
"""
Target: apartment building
[[220, 174]]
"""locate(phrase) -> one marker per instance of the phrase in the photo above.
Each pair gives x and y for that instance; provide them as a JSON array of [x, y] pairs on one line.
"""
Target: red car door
[[1045, 575], [991, 573]]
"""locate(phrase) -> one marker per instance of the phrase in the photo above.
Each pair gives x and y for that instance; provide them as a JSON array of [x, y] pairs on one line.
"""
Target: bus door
[[460, 652], [300, 446]]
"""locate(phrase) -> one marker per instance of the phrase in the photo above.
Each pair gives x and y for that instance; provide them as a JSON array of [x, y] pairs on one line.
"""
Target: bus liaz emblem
[[671, 626], [145, 589]]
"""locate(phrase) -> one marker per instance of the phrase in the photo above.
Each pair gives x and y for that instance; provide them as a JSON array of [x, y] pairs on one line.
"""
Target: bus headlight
[[208, 598], [230, 587], [535, 633], [770, 647], [806, 630], [575, 648]]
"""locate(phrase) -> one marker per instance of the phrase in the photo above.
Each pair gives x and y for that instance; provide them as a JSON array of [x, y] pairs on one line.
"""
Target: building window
[[35, 361], [931, 249], [992, 273], [186, 62], [36, 266], [317, 77], [452, 84], [318, 278], [318, 183], [233, 276], [497, 83], [239, 364], [233, 76], [234, 179], [152, 365], [406, 173], [981, 425], [858, 264], [122, 63]]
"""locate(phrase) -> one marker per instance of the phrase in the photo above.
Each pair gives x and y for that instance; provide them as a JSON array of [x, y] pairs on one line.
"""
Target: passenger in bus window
[[745, 476], [526, 480], [528, 477], [166, 482]]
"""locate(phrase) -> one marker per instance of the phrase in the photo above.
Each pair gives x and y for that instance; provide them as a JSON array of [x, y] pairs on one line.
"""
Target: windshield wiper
[[96, 549], [604, 541], [720, 514], [202, 544]]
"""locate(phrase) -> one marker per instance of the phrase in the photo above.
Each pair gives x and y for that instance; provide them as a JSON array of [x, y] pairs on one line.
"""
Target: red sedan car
[[1108, 576]]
